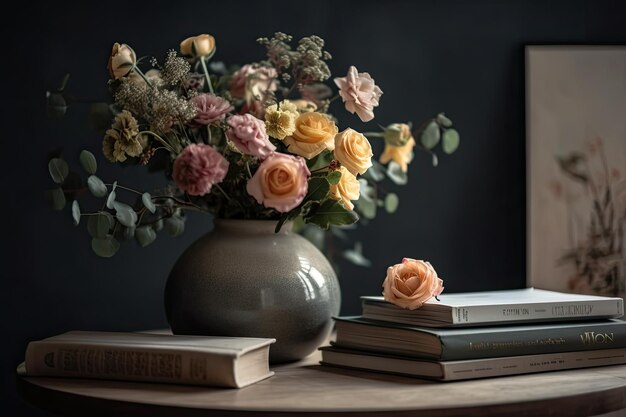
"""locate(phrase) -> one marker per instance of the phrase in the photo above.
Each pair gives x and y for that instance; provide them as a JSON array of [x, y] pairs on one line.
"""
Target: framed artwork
[[576, 168]]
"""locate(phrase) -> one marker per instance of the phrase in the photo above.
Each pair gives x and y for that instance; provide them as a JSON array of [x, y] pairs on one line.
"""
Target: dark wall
[[466, 216]]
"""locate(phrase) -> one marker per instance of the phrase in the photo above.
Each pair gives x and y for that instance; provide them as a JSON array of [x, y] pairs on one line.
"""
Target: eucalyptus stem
[[159, 138], [142, 75], [223, 192], [125, 188], [374, 134], [206, 74], [333, 98]]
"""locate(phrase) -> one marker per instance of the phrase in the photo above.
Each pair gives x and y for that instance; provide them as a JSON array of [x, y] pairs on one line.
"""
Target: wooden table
[[310, 389]]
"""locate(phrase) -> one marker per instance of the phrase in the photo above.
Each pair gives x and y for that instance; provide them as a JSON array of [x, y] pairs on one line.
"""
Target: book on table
[[478, 342], [473, 368], [197, 360], [496, 307]]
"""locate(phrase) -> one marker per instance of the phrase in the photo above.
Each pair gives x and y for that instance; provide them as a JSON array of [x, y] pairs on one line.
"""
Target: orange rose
[[348, 188], [314, 133], [401, 155], [121, 61], [353, 151], [197, 46], [411, 283]]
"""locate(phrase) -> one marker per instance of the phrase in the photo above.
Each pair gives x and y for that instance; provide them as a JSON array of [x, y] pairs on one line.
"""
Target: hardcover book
[[471, 369], [497, 307], [197, 360], [478, 342]]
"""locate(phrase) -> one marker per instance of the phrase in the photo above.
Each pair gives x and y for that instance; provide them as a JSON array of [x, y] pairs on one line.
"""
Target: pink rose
[[253, 82], [359, 93], [210, 108], [197, 168], [248, 134], [411, 283], [280, 182]]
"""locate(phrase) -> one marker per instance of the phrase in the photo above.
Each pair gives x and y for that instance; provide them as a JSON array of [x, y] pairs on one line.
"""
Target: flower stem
[[125, 188], [206, 75], [248, 169], [142, 75], [374, 134], [159, 138], [223, 192]]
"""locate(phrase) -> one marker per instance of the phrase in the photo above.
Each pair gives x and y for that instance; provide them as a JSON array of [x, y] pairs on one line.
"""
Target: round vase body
[[242, 279]]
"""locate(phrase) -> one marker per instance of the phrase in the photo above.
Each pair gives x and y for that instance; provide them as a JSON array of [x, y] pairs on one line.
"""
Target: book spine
[[484, 368], [533, 341], [542, 311], [129, 363]]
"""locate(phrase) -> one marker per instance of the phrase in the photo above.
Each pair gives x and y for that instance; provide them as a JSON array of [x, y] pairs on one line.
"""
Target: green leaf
[[395, 173], [88, 162], [450, 141], [145, 235], [158, 225], [56, 104], [356, 256], [376, 172], [334, 177], [435, 160], [125, 214], [96, 186], [320, 161], [56, 198], [318, 189], [332, 213], [146, 199], [391, 202], [443, 120], [174, 226], [99, 225], [105, 247], [431, 135], [111, 198], [58, 170], [128, 233], [76, 212]]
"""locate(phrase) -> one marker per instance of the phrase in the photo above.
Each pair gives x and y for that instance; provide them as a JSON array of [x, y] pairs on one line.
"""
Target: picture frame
[[576, 168]]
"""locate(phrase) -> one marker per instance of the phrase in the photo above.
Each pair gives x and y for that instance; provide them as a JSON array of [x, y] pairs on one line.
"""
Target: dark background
[[466, 216]]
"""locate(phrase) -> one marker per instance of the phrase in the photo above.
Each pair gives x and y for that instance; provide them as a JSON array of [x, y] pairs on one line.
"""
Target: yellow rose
[[397, 134], [353, 151], [197, 46], [121, 61], [347, 189], [314, 133], [401, 155]]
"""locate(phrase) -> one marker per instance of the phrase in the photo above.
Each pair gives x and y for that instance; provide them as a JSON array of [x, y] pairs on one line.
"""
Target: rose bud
[[198, 46], [121, 61]]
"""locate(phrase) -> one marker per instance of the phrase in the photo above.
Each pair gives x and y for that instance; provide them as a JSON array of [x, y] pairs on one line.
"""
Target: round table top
[[306, 387]]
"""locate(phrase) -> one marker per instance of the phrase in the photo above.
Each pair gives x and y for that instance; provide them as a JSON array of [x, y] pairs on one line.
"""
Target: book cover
[[198, 360], [478, 342], [495, 307], [471, 369]]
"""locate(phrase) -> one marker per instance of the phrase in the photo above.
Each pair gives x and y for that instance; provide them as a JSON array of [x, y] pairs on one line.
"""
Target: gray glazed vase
[[242, 279]]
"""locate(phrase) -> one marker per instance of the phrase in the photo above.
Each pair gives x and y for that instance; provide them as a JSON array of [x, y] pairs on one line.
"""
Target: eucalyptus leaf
[[111, 198], [158, 225], [145, 235], [105, 247], [96, 186], [174, 226], [58, 169], [56, 104], [356, 256], [431, 135], [88, 162], [56, 198], [99, 225], [146, 199], [128, 233], [391, 203], [125, 214], [435, 160], [366, 207], [376, 172], [76, 212], [395, 173], [332, 213], [334, 177], [443, 120], [450, 141]]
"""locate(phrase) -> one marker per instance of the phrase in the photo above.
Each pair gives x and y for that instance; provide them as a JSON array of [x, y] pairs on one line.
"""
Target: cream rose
[[198, 46], [280, 182], [314, 133], [411, 283], [353, 151], [348, 188], [121, 61]]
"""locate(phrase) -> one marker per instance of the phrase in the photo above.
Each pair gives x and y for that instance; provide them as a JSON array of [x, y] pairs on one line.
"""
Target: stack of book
[[482, 334]]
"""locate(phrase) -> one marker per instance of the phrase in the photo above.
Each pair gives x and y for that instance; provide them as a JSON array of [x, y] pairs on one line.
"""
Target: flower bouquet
[[250, 142]]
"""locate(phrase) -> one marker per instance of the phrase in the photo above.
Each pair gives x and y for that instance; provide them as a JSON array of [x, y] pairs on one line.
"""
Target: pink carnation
[[248, 134], [253, 82], [359, 93], [210, 108], [280, 182], [197, 168]]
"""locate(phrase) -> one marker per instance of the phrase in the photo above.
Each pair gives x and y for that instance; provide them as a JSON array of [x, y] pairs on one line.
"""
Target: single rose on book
[[411, 283]]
